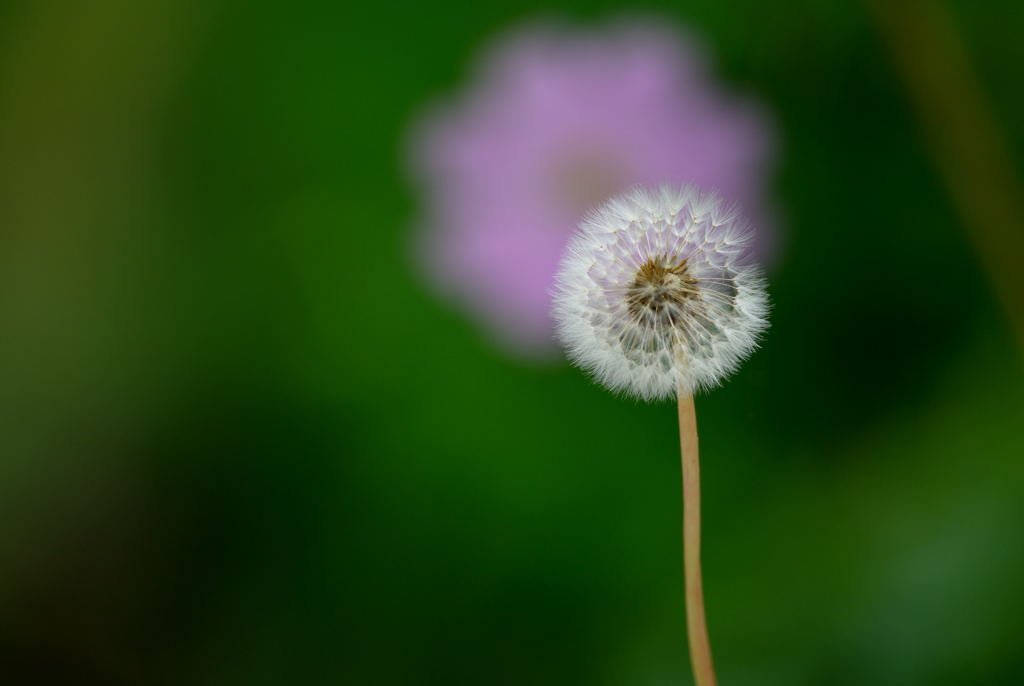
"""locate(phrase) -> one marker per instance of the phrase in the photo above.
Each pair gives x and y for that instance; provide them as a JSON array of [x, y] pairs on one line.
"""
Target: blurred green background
[[240, 443]]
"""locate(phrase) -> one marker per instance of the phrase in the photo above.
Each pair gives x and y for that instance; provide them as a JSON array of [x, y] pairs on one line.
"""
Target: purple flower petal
[[554, 122]]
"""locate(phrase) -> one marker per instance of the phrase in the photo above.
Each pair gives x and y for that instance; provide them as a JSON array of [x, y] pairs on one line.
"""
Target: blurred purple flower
[[555, 122]]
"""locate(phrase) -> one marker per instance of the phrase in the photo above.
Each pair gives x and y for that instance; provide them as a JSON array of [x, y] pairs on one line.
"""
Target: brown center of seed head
[[661, 285]]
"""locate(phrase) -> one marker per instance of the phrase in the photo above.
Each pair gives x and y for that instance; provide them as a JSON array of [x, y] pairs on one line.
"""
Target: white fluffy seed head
[[657, 292]]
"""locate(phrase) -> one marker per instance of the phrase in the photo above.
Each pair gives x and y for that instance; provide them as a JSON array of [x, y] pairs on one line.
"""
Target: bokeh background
[[243, 442]]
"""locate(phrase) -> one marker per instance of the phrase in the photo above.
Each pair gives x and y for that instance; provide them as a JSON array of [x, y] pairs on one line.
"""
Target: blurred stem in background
[[964, 136], [88, 343]]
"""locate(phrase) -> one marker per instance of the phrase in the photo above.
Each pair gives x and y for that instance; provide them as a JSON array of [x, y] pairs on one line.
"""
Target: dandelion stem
[[696, 624]]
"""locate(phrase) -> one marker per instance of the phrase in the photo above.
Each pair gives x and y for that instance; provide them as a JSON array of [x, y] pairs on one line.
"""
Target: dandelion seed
[[657, 295]]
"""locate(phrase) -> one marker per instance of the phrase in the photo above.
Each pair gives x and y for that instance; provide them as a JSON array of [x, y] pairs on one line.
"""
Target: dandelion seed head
[[658, 291]]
